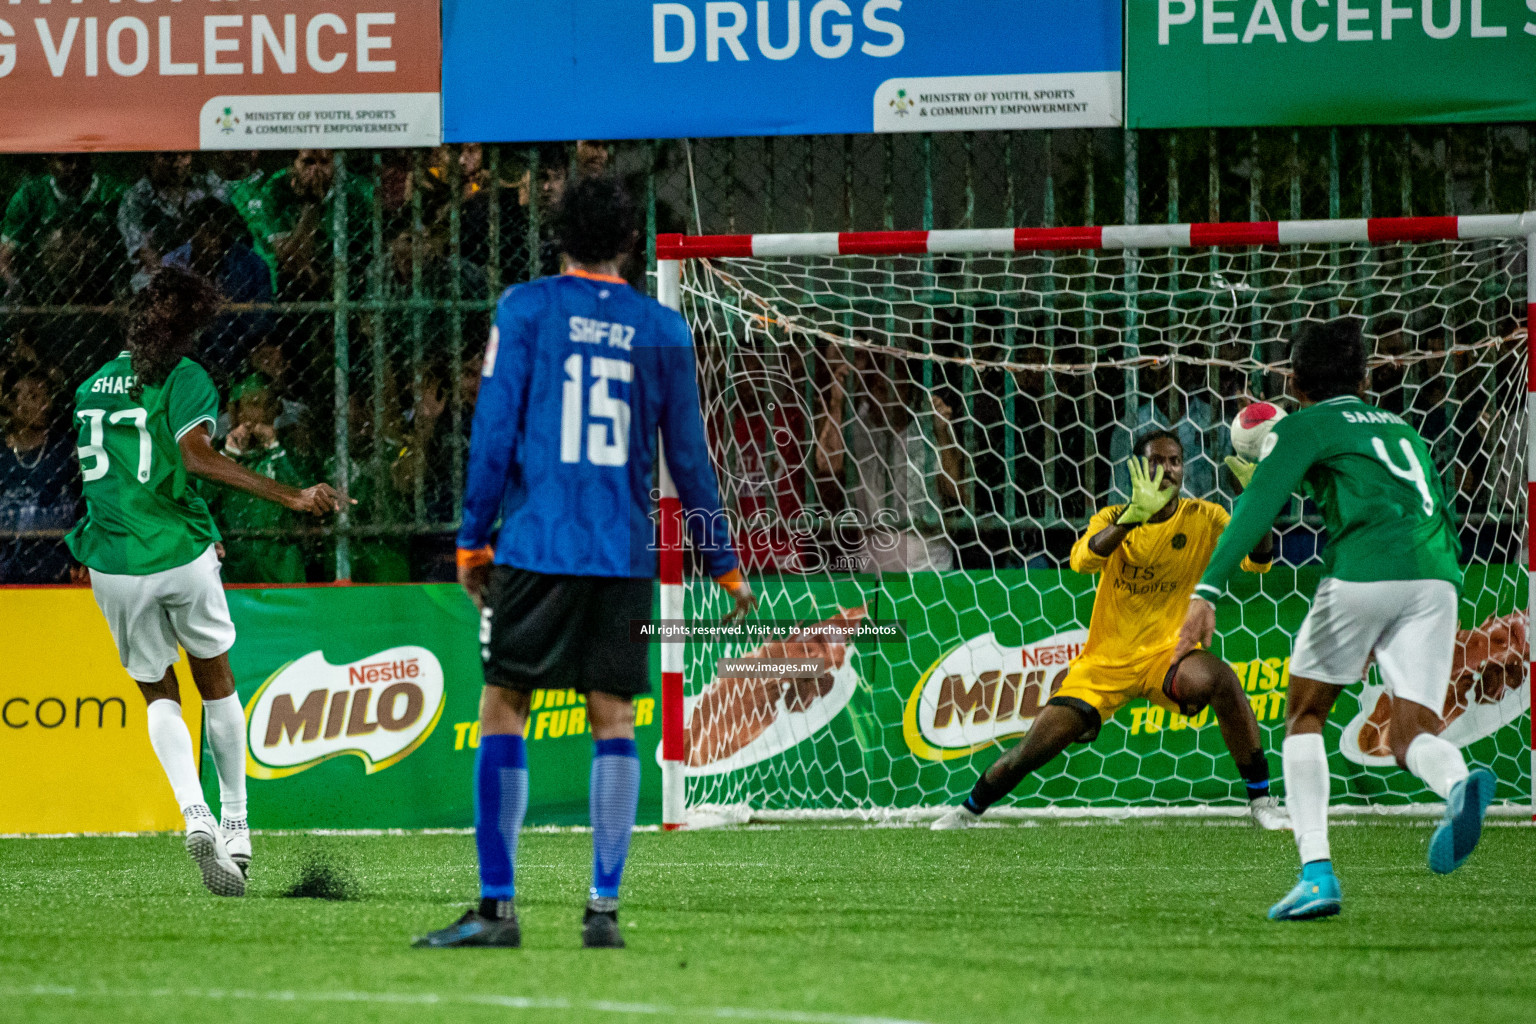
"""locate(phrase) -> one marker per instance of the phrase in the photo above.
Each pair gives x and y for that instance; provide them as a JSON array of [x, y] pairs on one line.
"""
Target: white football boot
[[206, 848], [1266, 813], [954, 818], [237, 840]]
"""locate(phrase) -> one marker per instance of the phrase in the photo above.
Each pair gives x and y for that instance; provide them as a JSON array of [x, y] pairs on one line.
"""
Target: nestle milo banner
[[362, 711], [911, 723], [362, 703], [1199, 63]]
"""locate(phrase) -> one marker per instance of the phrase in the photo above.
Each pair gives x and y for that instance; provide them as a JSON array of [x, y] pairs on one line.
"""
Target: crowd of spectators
[[837, 459], [82, 233], [853, 460]]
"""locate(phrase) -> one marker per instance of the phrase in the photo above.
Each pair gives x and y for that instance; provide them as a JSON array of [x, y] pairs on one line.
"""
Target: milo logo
[[982, 691], [378, 708]]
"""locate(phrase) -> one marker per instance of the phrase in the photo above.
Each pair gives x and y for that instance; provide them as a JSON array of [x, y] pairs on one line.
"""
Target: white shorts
[[150, 615], [1410, 626]]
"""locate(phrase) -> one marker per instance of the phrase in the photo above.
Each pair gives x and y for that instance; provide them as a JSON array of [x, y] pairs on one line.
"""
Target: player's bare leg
[[615, 794], [503, 712], [1203, 679], [501, 800], [172, 744], [1316, 893], [1056, 728], [226, 738], [1418, 748]]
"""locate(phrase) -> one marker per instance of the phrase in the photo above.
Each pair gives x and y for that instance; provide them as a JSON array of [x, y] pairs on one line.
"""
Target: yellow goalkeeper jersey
[[1146, 583]]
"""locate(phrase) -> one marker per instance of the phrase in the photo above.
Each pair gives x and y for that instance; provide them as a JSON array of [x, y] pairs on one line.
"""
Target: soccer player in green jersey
[[1389, 591], [151, 547]]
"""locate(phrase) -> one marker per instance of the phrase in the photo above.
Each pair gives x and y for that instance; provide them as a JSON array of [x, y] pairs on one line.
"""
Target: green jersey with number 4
[[142, 513], [1383, 504]]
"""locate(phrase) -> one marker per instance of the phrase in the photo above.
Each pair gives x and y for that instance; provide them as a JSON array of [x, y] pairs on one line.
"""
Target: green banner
[[362, 703], [910, 724], [1219, 63], [362, 708]]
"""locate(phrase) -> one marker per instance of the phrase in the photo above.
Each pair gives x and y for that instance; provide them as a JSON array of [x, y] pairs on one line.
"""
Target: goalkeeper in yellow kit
[[1149, 554]]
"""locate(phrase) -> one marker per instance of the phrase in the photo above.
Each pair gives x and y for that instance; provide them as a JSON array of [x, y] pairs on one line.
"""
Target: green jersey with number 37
[[1383, 503], [142, 513]]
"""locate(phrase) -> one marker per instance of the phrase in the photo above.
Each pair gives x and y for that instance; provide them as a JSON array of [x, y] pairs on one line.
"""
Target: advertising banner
[[362, 706], [74, 734], [911, 723], [204, 74], [1218, 63], [362, 711], [529, 70]]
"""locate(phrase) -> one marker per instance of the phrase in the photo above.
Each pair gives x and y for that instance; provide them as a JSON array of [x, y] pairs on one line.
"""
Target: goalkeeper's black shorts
[[547, 632]]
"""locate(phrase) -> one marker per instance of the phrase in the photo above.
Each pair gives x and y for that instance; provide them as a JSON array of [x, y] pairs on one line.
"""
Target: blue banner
[[533, 70]]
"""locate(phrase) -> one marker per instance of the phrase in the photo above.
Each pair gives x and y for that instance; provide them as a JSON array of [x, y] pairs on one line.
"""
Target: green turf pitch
[[1125, 923]]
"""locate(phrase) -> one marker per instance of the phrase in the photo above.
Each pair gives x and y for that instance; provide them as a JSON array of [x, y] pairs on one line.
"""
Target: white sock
[[1438, 762], [173, 746], [1306, 793], [226, 738]]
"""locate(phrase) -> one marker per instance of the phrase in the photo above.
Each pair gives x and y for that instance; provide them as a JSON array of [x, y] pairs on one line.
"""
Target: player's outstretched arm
[[1109, 528], [1268, 487], [1199, 625], [1264, 552], [202, 461]]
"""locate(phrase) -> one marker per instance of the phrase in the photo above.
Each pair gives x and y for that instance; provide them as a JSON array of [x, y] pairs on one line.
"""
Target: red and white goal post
[[1018, 330]]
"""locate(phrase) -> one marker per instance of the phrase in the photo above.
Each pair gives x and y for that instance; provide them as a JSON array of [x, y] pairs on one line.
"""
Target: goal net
[[911, 429]]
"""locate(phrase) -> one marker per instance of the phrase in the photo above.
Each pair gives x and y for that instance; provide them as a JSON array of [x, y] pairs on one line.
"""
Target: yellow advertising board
[[74, 737]]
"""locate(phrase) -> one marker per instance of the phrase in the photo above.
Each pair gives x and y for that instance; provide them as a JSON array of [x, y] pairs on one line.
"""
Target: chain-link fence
[[360, 284]]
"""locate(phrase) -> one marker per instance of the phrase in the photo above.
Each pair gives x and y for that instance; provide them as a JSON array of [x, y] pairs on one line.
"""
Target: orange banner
[[74, 733], [204, 74]]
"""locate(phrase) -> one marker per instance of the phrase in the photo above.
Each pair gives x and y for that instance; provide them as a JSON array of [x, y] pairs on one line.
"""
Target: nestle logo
[[382, 672], [1056, 654], [303, 714]]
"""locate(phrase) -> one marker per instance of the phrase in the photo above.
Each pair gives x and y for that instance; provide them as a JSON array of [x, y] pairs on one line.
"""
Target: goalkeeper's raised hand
[[1148, 495], [1241, 470]]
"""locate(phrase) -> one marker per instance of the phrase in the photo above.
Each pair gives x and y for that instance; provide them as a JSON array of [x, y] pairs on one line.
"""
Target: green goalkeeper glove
[[1148, 495], [1241, 469]]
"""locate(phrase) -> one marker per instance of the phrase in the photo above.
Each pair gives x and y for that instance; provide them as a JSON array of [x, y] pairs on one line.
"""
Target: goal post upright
[[670, 564], [673, 249]]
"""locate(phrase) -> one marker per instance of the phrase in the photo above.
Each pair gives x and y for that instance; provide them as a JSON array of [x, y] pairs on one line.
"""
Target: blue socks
[[615, 796], [501, 800]]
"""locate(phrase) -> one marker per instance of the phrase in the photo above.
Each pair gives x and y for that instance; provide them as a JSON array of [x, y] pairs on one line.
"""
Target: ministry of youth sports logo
[[379, 709]]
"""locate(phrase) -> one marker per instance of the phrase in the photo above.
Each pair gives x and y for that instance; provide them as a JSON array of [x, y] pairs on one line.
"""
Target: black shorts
[[546, 632]]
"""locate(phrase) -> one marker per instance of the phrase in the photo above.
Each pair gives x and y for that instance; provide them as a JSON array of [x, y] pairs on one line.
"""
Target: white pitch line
[[436, 999]]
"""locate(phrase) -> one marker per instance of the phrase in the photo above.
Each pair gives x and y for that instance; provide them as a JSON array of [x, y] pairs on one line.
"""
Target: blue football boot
[[473, 929], [1458, 834], [1316, 895]]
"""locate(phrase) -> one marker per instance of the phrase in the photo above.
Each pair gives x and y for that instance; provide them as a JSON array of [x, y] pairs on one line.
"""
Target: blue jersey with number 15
[[579, 375]]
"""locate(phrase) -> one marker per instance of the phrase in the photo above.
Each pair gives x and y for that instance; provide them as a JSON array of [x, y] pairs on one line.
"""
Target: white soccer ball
[[1251, 426]]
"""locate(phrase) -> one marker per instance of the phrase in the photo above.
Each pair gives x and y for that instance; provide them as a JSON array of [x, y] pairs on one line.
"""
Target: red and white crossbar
[[1375, 230], [670, 249]]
